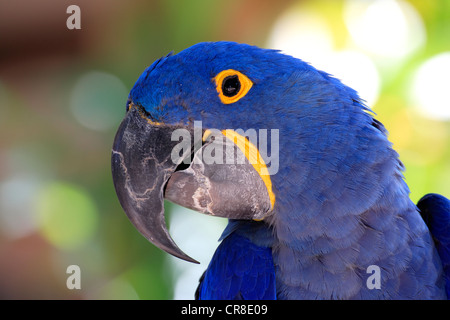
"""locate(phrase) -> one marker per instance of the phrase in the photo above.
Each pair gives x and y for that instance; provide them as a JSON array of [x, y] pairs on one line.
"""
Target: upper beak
[[144, 173]]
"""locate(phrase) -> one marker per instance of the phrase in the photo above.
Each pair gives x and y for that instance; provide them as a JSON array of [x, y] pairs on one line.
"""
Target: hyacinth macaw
[[334, 208]]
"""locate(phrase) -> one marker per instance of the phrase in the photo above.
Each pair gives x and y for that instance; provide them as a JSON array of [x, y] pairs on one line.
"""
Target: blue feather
[[239, 270], [435, 210]]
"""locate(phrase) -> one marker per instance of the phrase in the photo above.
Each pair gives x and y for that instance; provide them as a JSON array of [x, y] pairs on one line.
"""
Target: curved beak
[[217, 183], [141, 165]]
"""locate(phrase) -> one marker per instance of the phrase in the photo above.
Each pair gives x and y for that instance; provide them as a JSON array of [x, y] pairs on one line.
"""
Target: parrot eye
[[232, 85]]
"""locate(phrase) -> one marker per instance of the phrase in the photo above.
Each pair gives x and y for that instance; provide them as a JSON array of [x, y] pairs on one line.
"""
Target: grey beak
[[141, 165], [221, 183]]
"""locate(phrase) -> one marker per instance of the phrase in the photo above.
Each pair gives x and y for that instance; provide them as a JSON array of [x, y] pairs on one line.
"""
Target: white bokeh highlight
[[302, 34], [429, 90], [307, 36], [387, 28], [357, 71]]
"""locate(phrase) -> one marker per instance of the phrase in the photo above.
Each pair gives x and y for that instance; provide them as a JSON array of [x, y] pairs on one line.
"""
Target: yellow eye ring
[[232, 85]]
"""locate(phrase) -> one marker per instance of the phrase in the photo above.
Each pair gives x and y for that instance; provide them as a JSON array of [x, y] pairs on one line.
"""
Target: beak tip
[[189, 259]]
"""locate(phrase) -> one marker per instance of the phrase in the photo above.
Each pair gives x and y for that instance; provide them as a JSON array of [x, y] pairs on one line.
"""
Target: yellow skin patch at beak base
[[143, 116], [252, 154]]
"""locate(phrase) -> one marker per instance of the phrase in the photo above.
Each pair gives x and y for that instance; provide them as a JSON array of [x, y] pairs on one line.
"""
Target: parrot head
[[187, 137]]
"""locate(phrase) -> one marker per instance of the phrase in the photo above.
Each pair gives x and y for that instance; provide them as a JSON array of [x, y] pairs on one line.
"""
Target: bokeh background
[[63, 94]]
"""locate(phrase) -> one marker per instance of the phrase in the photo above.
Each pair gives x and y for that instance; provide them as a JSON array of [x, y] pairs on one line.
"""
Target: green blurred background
[[63, 94]]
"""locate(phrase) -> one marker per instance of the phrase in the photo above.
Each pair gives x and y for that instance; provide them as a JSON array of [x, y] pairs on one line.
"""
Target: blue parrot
[[326, 216]]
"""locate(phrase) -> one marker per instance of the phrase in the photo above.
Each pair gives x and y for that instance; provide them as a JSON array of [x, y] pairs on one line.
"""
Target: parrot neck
[[335, 223]]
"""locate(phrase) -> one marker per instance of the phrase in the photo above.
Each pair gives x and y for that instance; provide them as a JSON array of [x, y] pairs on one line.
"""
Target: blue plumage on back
[[435, 210]]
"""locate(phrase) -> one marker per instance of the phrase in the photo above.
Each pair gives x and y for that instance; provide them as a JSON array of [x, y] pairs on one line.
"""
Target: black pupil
[[231, 86]]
